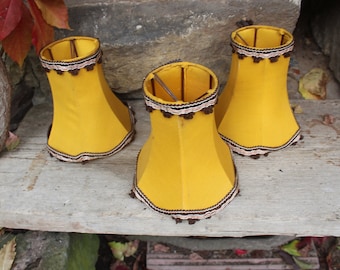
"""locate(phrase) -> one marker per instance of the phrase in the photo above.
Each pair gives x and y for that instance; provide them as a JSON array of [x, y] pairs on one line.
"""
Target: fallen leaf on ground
[[291, 248], [296, 108], [12, 141], [313, 84], [328, 119], [7, 255], [122, 250], [118, 250]]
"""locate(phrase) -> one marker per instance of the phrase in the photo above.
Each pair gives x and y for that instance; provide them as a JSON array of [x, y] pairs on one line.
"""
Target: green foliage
[[122, 250], [83, 253], [291, 248]]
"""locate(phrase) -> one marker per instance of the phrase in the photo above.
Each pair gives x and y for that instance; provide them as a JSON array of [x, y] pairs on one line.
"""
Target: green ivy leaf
[[122, 250], [118, 249], [291, 248]]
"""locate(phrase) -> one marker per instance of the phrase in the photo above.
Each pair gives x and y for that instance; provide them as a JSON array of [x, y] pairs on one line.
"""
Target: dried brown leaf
[[313, 84], [328, 119], [7, 255], [12, 141], [297, 108]]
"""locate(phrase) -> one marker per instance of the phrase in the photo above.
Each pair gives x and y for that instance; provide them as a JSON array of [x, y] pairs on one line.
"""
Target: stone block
[[37, 250], [138, 36], [325, 27]]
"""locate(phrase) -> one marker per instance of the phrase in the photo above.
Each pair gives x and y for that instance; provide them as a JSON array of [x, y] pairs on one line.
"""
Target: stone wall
[[137, 36], [38, 250], [325, 25]]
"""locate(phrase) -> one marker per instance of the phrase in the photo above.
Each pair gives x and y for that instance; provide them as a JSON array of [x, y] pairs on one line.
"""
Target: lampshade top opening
[[70, 49], [180, 82], [262, 37]]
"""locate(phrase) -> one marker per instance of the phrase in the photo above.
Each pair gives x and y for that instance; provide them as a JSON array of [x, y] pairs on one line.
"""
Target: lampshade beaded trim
[[186, 109], [262, 53], [62, 66], [194, 214], [259, 150]]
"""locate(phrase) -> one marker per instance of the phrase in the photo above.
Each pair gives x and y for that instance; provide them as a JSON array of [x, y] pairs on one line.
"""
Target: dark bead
[[287, 54], [208, 110], [257, 59], [74, 72], [192, 221], [188, 116], [240, 56], [178, 220], [148, 108], [90, 67], [132, 194], [274, 59], [166, 114]]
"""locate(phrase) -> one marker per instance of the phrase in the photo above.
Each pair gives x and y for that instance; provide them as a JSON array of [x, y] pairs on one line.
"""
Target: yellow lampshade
[[89, 121], [185, 169], [253, 113]]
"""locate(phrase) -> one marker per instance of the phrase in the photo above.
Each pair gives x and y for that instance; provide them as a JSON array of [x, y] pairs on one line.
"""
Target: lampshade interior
[[70, 49], [180, 83], [262, 37]]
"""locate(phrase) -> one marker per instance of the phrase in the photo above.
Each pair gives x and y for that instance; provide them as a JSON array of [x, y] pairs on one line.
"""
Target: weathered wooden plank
[[183, 259], [293, 192], [223, 264]]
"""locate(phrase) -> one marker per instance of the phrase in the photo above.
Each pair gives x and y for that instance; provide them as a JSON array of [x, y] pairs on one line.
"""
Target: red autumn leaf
[[42, 33], [10, 16], [54, 12], [18, 42]]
